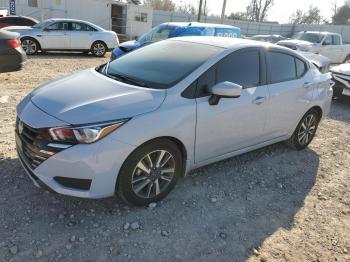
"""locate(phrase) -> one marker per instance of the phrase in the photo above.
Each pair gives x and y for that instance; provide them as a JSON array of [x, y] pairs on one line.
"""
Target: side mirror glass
[[224, 90]]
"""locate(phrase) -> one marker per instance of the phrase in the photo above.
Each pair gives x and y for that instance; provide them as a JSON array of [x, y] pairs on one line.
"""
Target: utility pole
[[200, 10], [223, 12]]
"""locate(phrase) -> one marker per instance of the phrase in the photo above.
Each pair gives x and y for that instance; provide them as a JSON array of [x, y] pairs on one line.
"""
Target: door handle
[[259, 100], [39, 35], [307, 84]]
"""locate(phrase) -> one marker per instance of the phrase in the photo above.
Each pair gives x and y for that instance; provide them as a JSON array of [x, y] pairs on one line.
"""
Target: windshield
[[42, 24], [160, 65], [158, 33], [310, 37]]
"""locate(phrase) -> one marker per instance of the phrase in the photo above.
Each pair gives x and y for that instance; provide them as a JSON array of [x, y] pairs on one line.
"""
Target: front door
[[234, 123], [56, 36]]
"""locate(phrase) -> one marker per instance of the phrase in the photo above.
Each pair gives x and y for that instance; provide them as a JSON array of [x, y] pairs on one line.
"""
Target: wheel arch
[[318, 109], [31, 37]]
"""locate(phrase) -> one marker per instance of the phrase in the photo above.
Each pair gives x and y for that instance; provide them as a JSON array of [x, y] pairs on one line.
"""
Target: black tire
[[98, 49], [297, 140], [127, 184], [30, 45]]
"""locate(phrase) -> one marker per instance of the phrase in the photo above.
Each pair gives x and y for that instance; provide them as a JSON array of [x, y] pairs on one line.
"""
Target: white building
[[129, 19]]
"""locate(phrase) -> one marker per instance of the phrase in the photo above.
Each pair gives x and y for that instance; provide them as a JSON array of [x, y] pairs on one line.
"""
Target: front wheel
[[305, 131], [99, 49], [150, 172], [30, 46]]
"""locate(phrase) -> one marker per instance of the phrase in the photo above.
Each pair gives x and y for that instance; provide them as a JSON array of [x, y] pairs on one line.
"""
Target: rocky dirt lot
[[273, 204]]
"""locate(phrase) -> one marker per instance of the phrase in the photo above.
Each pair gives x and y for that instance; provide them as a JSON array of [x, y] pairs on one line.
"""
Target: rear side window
[[282, 67], [242, 68], [336, 39]]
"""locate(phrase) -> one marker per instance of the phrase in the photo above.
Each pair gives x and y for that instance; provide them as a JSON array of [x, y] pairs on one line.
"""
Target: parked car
[[17, 21], [11, 53], [137, 124], [325, 43], [341, 78], [170, 30], [66, 34], [321, 62], [268, 38]]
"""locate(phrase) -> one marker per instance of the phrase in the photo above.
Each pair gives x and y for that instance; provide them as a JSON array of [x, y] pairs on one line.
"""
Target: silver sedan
[[66, 34]]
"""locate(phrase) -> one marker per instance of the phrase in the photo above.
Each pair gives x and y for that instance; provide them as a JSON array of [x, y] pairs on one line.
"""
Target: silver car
[[136, 125], [66, 34]]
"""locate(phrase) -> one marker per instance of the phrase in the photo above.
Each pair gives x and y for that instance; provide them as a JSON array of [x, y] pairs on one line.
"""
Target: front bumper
[[99, 163], [82, 170], [341, 83]]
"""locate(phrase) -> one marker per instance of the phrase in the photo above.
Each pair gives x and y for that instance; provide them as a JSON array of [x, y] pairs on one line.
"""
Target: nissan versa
[[136, 125]]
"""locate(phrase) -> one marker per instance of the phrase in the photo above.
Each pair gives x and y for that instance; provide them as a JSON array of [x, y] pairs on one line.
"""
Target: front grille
[[33, 144]]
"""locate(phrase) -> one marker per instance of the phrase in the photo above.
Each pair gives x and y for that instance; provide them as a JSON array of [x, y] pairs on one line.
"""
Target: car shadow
[[219, 211], [66, 55], [340, 109]]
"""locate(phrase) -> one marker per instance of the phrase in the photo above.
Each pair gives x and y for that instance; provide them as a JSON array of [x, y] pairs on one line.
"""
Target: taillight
[[14, 43]]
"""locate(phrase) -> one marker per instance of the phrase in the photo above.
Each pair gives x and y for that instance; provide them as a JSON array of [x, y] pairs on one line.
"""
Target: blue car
[[169, 30]]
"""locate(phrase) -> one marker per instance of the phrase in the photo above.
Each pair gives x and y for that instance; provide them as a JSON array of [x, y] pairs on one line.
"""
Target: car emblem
[[20, 127]]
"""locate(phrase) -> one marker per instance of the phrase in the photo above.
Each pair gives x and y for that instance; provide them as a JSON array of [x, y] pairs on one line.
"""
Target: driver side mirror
[[224, 90]]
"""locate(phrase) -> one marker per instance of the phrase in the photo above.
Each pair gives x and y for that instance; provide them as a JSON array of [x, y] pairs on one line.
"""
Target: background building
[[126, 19]]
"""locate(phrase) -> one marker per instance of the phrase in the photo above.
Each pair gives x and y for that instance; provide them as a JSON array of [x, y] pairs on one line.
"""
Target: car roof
[[20, 16], [225, 42], [74, 20], [320, 33], [197, 24]]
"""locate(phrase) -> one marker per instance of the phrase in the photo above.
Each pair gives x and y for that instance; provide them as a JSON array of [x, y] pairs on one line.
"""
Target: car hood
[[88, 97], [341, 69], [129, 45]]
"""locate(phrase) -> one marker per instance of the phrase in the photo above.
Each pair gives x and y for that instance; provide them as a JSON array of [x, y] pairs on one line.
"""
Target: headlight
[[84, 134]]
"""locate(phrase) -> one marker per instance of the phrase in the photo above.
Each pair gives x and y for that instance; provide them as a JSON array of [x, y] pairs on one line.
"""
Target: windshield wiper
[[123, 78]]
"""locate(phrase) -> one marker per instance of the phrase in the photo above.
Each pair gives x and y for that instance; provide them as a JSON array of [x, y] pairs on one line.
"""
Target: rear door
[[290, 88], [81, 36], [234, 123], [56, 36]]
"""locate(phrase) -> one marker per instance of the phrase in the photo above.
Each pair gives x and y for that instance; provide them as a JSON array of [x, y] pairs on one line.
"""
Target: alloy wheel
[[307, 129], [153, 174], [99, 49], [29, 46]]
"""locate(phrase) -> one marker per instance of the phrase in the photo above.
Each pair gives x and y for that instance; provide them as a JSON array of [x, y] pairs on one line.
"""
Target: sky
[[280, 12]]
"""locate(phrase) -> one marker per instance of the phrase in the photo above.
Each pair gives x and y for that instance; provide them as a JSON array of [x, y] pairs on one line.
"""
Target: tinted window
[[163, 64], [81, 27], [301, 67], [241, 68], [336, 40], [282, 67], [58, 26]]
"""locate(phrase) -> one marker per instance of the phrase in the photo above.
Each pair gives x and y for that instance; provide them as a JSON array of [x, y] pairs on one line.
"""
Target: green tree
[[312, 16], [342, 16], [165, 5], [238, 16]]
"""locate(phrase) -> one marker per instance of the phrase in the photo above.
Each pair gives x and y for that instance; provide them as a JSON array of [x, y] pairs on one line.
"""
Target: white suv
[[136, 125]]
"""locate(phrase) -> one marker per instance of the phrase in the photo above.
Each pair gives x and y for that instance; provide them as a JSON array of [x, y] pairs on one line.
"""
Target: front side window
[[241, 68], [328, 40], [163, 64], [58, 26]]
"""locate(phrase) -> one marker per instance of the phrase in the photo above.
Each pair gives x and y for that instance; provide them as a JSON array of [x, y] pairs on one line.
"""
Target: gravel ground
[[273, 204]]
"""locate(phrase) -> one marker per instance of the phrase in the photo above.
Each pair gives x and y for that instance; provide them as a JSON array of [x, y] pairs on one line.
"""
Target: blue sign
[[12, 5]]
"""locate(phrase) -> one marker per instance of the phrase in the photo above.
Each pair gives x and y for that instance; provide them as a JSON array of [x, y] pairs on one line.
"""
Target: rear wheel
[[150, 172], [30, 45], [306, 130], [99, 49]]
